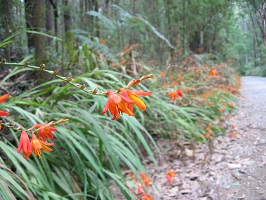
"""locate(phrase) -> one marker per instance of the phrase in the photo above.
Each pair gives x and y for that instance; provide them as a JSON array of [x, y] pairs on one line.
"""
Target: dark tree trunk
[[50, 21], [97, 28], [81, 14], [67, 16], [29, 4], [7, 9], [39, 40]]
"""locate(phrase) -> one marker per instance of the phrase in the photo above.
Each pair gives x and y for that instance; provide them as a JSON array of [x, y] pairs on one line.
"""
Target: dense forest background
[[229, 29], [64, 61]]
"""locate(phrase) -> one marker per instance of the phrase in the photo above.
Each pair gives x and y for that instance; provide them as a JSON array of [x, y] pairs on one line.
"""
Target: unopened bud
[[42, 66], [26, 63], [63, 120], [55, 72], [146, 77], [51, 123], [3, 61], [95, 91], [133, 83], [82, 87], [69, 79]]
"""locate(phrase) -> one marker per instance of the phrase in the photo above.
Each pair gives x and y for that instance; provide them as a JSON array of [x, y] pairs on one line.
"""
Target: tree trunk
[[29, 4], [7, 9], [39, 40], [96, 24], [67, 16], [254, 49], [50, 21], [184, 27]]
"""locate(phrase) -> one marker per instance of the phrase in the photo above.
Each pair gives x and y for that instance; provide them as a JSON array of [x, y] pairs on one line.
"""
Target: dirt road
[[236, 171], [248, 180]]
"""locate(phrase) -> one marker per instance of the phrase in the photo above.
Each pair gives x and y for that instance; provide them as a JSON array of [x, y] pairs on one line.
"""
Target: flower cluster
[[122, 101], [174, 94], [170, 174], [37, 143], [213, 72], [141, 185], [144, 183]]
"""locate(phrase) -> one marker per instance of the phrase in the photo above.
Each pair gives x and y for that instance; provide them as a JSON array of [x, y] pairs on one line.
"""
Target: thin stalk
[[55, 73], [101, 151]]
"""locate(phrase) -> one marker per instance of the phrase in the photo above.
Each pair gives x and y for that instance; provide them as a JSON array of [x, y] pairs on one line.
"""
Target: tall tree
[[39, 25], [39, 40], [50, 19]]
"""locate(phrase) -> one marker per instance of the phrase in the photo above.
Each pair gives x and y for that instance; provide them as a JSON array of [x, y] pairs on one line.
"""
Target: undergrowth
[[91, 152]]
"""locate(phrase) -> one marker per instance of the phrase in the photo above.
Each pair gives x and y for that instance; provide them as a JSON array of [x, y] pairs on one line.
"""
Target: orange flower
[[118, 104], [221, 110], [145, 179], [45, 131], [213, 72], [37, 145], [131, 174], [24, 143], [145, 197], [209, 127], [172, 95], [115, 64], [123, 61], [232, 134], [208, 135], [173, 83], [102, 41], [175, 94], [134, 96], [170, 175], [3, 98], [162, 74], [179, 93]]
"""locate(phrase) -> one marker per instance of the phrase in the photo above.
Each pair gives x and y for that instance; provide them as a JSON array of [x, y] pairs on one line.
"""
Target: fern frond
[[106, 21], [140, 23]]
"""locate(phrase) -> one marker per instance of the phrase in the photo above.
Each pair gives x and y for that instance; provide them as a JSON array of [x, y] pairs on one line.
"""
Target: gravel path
[[250, 178], [237, 169]]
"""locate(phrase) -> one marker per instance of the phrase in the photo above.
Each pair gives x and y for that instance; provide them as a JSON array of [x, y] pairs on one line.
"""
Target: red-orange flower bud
[[146, 77], [45, 130], [3, 98], [24, 143]]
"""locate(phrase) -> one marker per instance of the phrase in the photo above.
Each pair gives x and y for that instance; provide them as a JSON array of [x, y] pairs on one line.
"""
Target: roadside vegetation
[[81, 112]]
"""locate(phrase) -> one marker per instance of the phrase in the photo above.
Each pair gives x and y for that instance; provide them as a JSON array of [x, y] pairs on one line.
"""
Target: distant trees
[[253, 23], [206, 26]]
